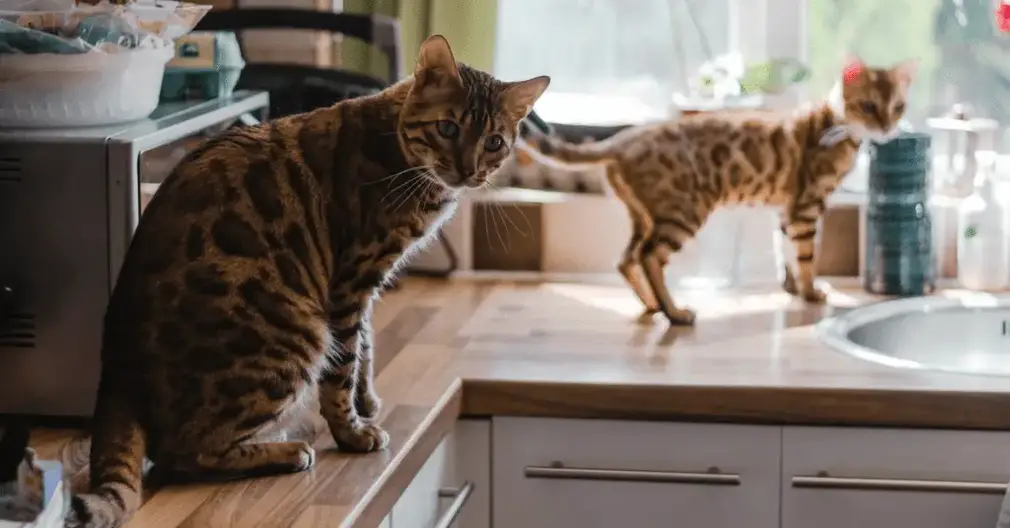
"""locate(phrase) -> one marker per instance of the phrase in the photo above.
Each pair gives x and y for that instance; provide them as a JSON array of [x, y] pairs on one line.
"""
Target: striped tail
[[529, 168], [556, 148], [526, 168], [117, 455]]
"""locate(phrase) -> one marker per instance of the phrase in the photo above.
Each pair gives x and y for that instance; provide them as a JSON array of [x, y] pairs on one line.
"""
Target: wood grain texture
[[482, 348]]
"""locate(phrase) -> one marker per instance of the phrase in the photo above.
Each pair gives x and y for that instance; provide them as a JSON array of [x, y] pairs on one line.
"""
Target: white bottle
[[983, 251]]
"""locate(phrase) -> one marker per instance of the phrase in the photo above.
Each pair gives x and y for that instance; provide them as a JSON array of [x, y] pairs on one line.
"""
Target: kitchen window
[[611, 62], [615, 62]]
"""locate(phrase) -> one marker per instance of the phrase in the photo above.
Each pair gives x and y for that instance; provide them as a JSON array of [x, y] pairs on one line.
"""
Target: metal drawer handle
[[459, 497], [825, 481], [712, 477]]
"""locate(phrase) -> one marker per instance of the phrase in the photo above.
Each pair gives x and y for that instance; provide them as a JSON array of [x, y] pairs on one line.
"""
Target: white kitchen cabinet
[[454, 483], [892, 478], [596, 473]]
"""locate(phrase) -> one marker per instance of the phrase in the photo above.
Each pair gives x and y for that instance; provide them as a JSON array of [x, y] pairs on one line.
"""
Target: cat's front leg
[[367, 400], [339, 381], [802, 231]]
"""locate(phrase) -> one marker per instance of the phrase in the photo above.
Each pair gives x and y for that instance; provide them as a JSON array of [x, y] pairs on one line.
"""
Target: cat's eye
[[899, 108], [447, 129], [493, 143], [868, 107]]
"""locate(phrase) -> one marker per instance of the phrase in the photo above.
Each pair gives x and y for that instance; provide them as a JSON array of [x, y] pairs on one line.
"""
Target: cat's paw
[[303, 458], [814, 295], [368, 404], [646, 317], [363, 438], [681, 317]]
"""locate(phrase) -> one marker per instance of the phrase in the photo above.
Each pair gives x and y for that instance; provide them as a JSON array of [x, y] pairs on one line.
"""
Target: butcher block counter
[[481, 348]]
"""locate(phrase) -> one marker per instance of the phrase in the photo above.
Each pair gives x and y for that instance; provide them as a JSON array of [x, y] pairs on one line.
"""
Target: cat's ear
[[906, 70], [436, 66], [518, 97], [852, 68]]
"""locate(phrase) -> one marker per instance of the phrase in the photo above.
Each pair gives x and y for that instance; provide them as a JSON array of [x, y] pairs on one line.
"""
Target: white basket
[[52, 90]]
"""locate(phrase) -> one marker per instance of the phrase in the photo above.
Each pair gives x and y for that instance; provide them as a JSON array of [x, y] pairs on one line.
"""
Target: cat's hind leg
[[655, 255], [631, 269], [669, 235], [232, 442], [244, 460], [630, 266], [634, 275]]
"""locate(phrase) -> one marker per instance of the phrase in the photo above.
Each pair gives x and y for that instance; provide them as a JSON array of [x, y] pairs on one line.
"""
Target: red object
[[1003, 17], [852, 72]]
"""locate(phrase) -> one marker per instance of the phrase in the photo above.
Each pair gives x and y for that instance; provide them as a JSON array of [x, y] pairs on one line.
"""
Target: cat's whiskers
[[433, 175], [394, 175], [401, 187], [428, 184], [494, 220], [410, 192], [404, 195], [505, 217], [421, 194], [526, 220]]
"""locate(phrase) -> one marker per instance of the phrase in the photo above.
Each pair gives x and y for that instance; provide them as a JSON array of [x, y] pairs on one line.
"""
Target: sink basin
[[969, 335]]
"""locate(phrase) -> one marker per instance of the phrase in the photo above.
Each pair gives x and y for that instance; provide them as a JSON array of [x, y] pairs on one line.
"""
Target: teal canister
[[898, 239]]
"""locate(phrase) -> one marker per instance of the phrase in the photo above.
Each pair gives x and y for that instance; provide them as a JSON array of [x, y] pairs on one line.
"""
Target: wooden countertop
[[482, 348]]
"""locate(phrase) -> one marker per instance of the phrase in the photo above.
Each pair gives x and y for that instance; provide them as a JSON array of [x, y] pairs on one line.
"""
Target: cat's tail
[[558, 149], [74, 457], [117, 456]]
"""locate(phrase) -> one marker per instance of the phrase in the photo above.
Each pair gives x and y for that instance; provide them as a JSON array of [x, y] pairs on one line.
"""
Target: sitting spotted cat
[[246, 293]]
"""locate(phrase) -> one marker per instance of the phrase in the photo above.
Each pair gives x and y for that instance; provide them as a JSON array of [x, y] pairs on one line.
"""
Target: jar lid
[[908, 146]]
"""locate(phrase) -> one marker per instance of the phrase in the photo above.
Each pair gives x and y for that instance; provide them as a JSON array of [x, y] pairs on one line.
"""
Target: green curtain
[[469, 25]]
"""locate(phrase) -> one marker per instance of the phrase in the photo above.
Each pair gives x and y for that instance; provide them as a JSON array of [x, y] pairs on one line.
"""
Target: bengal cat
[[249, 283], [672, 175]]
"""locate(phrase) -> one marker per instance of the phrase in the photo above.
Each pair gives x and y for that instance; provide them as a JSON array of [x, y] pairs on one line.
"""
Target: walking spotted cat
[[672, 175], [249, 283]]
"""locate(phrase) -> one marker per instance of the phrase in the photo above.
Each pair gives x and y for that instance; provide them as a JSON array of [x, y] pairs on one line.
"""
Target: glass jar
[[899, 248]]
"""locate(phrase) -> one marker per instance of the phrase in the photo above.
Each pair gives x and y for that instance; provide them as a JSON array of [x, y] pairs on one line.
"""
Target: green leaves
[[773, 76]]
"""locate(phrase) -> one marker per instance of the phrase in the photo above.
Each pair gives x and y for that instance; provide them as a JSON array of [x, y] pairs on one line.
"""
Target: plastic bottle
[[983, 251]]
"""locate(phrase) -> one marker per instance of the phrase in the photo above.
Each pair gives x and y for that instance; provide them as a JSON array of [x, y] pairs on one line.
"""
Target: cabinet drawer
[[554, 472], [418, 506], [468, 467], [893, 478], [453, 483]]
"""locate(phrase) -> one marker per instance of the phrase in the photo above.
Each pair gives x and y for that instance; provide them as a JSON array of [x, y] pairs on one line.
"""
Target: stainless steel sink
[[969, 335]]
